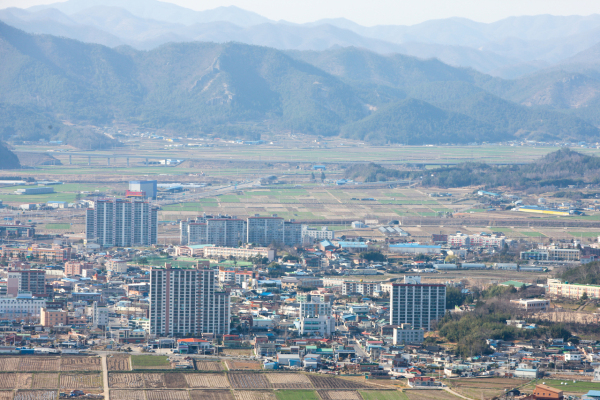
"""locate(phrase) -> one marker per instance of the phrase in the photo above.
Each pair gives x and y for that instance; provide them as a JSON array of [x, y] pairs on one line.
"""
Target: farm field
[[45, 381], [339, 395], [289, 381], [6, 395], [243, 365], [125, 380], [254, 395], [15, 381], [211, 395], [175, 380], [9, 363], [383, 395], [36, 364], [248, 381], [127, 395], [167, 395], [329, 382], [208, 365], [80, 381], [486, 388], [155, 381], [150, 362], [80, 364], [118, 363], [211, 381], [237, 352], [36, 395], [296, 395], [429, 395]]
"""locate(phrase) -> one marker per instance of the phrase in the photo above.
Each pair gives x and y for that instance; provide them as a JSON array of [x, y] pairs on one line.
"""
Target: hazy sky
[[376, 12]]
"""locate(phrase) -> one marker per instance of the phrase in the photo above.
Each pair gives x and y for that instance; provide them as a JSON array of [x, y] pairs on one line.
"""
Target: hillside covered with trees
[[237, 90], [559, 169]]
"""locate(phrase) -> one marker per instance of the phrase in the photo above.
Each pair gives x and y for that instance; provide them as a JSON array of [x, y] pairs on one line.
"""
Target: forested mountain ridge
[[208, 88]]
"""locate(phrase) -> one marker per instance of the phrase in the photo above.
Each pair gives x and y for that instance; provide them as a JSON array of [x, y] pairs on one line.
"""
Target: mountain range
[[510, 48], [48, 84]]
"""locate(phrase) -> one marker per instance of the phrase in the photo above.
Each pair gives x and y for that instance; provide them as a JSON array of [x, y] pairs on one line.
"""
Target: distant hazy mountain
[[161, 11], [239, 90], [509, 48]]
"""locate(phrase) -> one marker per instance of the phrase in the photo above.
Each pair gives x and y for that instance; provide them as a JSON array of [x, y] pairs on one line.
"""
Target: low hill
[[559, 169], [8, 159], [415, 122]]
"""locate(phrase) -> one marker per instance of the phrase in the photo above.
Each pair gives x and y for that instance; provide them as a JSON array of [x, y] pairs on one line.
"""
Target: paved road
[[105, 376]]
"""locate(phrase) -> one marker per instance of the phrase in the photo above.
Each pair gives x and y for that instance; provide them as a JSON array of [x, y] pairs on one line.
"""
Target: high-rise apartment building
[[227, 231], [187, 301], [31, 281], [262, 231], [122, 223], [417, 304]]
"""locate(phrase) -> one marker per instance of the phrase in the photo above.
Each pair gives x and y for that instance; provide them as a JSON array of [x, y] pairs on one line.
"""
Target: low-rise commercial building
[[532, 305]]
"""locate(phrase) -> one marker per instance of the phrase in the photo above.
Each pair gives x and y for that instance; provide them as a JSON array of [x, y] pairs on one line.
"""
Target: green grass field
[[532, 234], [585, 234], [58, 226], [149, 361], [297, 395], [382, 395]]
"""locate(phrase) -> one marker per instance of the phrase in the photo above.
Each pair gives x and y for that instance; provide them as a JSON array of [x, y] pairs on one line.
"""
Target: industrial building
[[144, 189], [35, 190], [414, 248]]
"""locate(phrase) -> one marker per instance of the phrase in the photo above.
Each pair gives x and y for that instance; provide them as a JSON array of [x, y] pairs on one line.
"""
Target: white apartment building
[[239, 252], [314, 309], [364, 288], [322, 325], [405, 333], [121, 223], [532, 305], [310, 235], [572, 290], [20, 307], [262, 231], [417, 304], [478, 240], [99, 315]]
